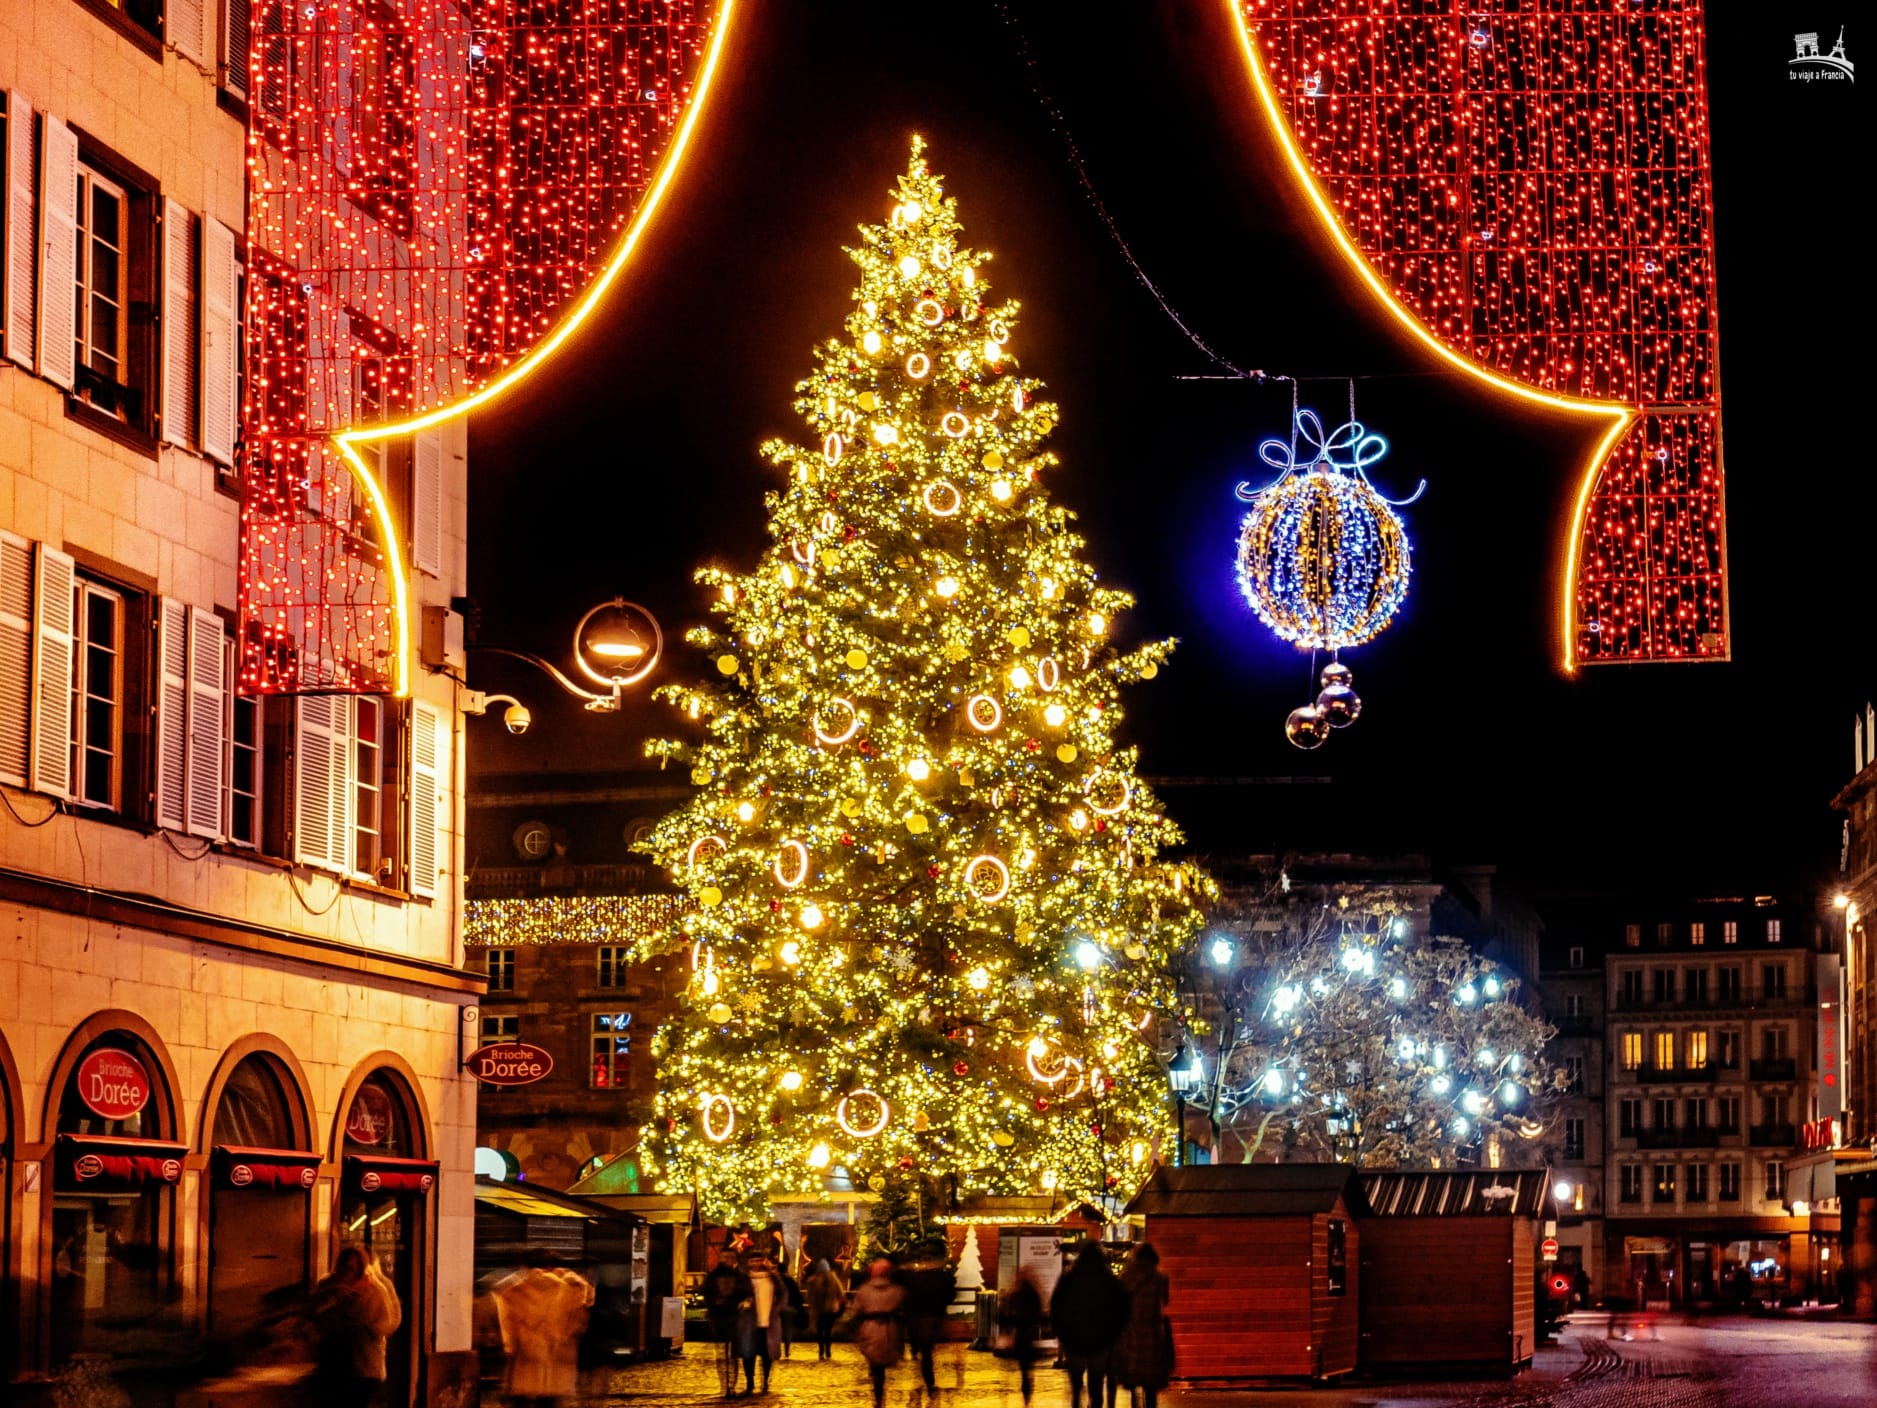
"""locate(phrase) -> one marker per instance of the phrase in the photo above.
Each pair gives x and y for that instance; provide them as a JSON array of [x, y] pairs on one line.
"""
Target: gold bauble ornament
[[1066, 752], [1019, 636], [726, 664], [850, 807], [857, 659], [916, 823], [1003, 1139], [700, 777], [867, 401], [993, 460], [719, 1012], [710, 897]]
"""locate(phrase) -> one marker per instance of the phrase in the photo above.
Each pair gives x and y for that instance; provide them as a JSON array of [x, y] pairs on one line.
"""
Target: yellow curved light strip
[[1621, 415], [364, 435], [394, 565]]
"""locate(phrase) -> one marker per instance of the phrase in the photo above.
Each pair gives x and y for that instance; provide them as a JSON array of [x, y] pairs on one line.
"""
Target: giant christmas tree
[[931, 934]]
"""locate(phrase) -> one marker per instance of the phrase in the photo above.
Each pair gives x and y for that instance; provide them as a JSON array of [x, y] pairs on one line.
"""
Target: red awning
[[369, 1175], [237, 1167], [88, 1164]]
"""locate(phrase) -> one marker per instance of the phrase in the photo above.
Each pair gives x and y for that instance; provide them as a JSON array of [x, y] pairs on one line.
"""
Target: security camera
[[516, 718]]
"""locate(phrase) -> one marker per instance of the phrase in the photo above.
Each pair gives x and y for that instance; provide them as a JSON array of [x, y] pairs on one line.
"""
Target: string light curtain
[[1531, 190], [433, 186]]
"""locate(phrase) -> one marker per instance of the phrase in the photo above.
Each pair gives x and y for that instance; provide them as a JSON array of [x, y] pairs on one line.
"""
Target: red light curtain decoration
[[1529, 189], [438, 192]]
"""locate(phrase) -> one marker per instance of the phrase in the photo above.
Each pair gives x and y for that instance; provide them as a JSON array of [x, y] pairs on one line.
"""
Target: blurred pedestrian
[[1088, 1310], [354, 1312], [877, 1305], [1143, 1356], [759, 1325], [794, 1311], [1020, 1325], [543, 1310], [929, 1283], [826, 1297], [726, 1291]]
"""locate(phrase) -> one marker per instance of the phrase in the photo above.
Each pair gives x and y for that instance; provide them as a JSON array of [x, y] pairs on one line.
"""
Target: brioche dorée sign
[[370, 1119], [113, 1084], [509, 1063]]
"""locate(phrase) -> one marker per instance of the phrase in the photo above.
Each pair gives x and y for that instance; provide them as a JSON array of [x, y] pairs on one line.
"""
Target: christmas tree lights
[[1528, 191], [932, 933]]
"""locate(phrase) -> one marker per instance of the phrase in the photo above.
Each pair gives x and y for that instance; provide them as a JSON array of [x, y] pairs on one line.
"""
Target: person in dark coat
[[1020, 1318], [727, 1290], [1089, 1309], [929, 1284], [1143, 1356], [877, 1304], [826, 1296]]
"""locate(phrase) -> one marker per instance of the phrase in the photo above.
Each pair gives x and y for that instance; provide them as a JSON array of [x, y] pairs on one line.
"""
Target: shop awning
[[236, 1166], [371, 1175], [89, 1164]]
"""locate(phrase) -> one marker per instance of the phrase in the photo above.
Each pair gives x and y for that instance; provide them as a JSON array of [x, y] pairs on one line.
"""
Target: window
[[1697, 1183], [1664, 984], [1664, 934], [1577, 1196], [1775, 1181], [613, 961], [100, 322], [1665, 1051], [1632, 1051], [1775, 1110], [107, 352], [1697, 933], [1574, 1005], [1729, 1051], [1629, 1118], [1574, 1074], [1730, 932], [1632, 1183], [1730, 1114], [1773, 981], [369, 856], [1336, 1265], [384, 86], [1695, 1046], [1576, 956], [1697, 1112], [1774, 1043], [1665, 1183], [500, 963], [1574, 1138], [1695, 986], [1632, 986], [1730, 1182], [1663, 1112], [1632, 935], [1772, 931], [506, 1027], [97, 694], [612, 1049], [1729, 981], [243, 822], [141, 20]]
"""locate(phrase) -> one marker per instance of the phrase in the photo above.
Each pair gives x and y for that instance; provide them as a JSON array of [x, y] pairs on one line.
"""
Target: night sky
[[634, 460]]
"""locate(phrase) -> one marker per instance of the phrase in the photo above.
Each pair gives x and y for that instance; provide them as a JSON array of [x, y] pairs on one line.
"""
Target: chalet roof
[[1248, 1190], [1483, 1192]]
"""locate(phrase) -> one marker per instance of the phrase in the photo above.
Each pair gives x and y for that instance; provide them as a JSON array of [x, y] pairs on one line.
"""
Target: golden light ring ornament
[[791, 848], [831, 735], [843, 1114], [918, 366], [983, 713], [1323, 558], [1048, 674], [936, 502], [930, 312], [831, 448], [1107, 793], [1038, 1048], [955, 424], [714, 1131], [696, 852], [976, 868]]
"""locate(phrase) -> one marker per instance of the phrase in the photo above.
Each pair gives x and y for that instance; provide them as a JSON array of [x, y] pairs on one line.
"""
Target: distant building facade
[[1855, 908]]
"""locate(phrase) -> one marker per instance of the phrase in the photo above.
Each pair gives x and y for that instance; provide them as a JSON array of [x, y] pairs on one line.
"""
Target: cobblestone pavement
[[1717, 1363]]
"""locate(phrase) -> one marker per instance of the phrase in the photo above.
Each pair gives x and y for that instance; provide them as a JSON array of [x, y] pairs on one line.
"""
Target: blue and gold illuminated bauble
[[1322, 556]]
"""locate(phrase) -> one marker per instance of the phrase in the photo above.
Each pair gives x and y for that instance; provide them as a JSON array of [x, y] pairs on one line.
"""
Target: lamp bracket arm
[[603, 701]]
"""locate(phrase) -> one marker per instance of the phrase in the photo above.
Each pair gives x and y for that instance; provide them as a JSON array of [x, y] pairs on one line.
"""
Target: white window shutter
[[16, 656], [185, 22], [221, 341], [429, 765], [53, 581], [22, 258], [208, 737], [180, 338], [427, 501], [237, 46], [322, 781], [172, 713], [58, 251]]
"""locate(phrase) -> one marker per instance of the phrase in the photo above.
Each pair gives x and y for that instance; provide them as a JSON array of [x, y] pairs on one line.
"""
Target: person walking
[[1088, 1310], [929, 1284], [543, 1311], [826, 1297], [1143, 1356], [726, 1290], [794, 1311], [877, 1306], [759, 1325], [1020, 1321], [354, 1311]]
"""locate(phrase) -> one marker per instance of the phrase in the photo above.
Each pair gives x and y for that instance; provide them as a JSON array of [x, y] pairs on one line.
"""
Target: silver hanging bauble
[[1334, 673], [1339, 704], [1306, 727]]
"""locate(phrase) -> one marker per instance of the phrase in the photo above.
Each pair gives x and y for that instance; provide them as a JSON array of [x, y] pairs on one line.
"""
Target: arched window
[[263, 1178]]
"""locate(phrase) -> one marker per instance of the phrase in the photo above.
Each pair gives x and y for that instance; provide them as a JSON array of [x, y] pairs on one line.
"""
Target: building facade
[[232, 991], [1855, 908]]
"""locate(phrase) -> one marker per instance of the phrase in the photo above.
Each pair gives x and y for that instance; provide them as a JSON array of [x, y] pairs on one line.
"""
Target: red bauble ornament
[[932, 871], [866, 748], [1042, 1103], [1032, 745], [847, 839], [961, 1068], [1100, 825], [905, 1161], [775, 906]]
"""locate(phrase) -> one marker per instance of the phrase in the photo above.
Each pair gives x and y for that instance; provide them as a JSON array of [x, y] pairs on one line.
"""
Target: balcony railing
[[1782, 1068], [1658, 1139], [1773, 1136], [1673, 1075], [1718, 999]]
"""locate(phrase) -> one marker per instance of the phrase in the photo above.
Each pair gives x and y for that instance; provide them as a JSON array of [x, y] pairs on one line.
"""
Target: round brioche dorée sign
[[113, 1084], [241, 1175], [88, 1167], [370, 1119], [509, 1063]]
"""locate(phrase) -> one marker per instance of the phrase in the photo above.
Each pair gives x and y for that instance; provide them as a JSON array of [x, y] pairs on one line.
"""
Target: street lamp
[[616, 644], [1185, 1079]]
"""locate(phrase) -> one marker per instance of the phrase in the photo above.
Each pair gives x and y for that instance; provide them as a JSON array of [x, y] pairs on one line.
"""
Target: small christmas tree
[[931, 935]]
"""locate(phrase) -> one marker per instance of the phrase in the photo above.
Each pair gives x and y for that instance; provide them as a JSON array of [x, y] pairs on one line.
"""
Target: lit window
[[1632, 1051], [506, 1027], [612, 1050], [500, 963], [1632, 935], [1730, 932], [613, 963], [1577, 1196], [1665, 1183], [1697, 933], [1772, 931], [1665, 1051], [97, 693], [1697, 1051]]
